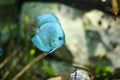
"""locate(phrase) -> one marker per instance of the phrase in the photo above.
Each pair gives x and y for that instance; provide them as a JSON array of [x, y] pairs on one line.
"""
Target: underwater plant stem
[[29, 65], [9, 58], [7, 73]]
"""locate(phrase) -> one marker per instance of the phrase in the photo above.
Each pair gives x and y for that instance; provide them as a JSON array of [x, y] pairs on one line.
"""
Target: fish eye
[[60, 38], [99, 22]]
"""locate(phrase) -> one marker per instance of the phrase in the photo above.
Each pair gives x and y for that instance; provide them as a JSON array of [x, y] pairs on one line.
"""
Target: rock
[[114, 57], [92, 20], [79, 75], [102, 36]]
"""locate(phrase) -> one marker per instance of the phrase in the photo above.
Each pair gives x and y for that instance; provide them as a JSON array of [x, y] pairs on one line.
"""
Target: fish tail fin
[[36, 41]]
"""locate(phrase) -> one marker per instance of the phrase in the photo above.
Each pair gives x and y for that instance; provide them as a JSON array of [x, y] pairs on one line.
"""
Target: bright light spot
[[32, 51], [103, 0]]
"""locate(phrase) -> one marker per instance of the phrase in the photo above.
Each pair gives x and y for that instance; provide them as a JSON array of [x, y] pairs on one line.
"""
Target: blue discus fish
[[0, 51], [49, 34]]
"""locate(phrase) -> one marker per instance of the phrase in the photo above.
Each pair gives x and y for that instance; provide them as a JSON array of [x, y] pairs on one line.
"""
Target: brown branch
[[9, 58], [19, 74], [7, 73]]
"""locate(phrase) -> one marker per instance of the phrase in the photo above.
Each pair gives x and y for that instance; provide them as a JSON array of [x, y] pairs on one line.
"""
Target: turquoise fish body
[[49, 34]]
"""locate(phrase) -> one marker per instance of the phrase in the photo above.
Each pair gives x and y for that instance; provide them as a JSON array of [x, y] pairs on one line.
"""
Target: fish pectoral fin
[[36, 40]]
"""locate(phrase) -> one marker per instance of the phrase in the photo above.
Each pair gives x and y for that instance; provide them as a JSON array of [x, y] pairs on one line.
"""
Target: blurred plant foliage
[[18, 50], [103, 73]]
